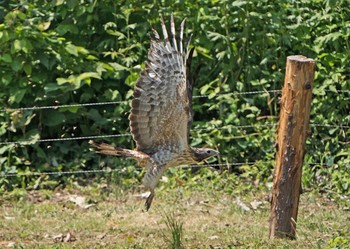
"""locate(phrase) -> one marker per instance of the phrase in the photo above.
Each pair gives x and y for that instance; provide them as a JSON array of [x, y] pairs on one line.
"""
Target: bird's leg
[[149, 200]]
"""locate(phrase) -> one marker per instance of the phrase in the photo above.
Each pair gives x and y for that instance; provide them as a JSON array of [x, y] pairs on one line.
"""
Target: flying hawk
[[161, 113]]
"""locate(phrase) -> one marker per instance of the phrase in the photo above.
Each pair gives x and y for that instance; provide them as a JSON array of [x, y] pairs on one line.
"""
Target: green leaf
[[96, 116], [51, 87], [4, 36], [3, 129], [44, 26], [72, 3], [111, 95], [117, 66], [59, 2], [27, 46], [63, 29], [264, 61], [72, 109], [6, 78], [87, 75], [82, 50], [53, 118], [16, 46], [17, 96], [86, 78], [61, 81], [27, 69], [91, 58], [203, 51], [70, 48], [204, 89], [16, 64], [31, 136], [238, 3], [6, 58], [5, 148], [215, 36]]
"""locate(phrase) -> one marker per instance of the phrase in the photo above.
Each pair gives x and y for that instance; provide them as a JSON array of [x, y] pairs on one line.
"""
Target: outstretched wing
[[161, 106]]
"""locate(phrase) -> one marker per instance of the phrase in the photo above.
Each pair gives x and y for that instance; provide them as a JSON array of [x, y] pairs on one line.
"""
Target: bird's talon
[[149, 201]]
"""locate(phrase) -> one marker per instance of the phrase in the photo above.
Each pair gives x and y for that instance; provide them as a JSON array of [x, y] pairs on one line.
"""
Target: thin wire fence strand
[[236, 126], [99, 171], [121, 170], [337, 91], [30, 142], [62, 106], [121, 135], [330, 126], [125, 101], [240, 93]]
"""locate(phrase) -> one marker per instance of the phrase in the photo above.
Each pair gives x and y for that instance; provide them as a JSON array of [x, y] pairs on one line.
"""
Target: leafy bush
[[63, 52]]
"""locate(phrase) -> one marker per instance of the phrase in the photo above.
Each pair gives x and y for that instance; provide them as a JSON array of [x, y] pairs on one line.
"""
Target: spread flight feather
[[161, 111]]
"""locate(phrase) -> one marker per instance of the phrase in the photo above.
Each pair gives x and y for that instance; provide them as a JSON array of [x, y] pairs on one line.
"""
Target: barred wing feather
[[161, 106]]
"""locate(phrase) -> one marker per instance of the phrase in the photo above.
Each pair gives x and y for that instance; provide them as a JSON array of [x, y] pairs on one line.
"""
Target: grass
[[179, 218], [175, 228]]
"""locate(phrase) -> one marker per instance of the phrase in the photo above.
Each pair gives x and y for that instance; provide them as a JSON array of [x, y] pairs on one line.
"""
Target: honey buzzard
[[161, 113]]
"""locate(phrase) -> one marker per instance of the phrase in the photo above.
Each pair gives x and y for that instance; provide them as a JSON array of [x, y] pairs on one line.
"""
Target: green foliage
[[67, 51], [340, 239]]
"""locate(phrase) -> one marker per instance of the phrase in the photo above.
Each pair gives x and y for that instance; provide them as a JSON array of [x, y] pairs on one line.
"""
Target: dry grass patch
[[81, 220]]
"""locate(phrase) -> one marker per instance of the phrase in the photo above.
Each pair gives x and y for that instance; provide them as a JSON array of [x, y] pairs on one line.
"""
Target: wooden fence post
[[291, 136]]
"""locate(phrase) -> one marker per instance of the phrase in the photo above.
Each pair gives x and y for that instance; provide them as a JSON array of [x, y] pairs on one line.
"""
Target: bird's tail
[[107, 149]]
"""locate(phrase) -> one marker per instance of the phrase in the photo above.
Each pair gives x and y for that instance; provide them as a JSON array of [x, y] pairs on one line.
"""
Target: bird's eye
[[208, 151]]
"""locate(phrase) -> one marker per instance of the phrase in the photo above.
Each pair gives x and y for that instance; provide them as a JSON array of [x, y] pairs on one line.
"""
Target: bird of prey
[[161, 111]]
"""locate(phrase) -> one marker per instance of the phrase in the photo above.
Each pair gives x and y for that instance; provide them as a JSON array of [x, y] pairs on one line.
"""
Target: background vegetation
[[81, 51]]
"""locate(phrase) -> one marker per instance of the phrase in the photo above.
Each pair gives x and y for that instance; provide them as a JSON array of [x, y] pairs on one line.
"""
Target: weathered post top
[[300, 58]]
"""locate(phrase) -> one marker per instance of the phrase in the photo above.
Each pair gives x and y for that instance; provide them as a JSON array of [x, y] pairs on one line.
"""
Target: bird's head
[[203, 153]]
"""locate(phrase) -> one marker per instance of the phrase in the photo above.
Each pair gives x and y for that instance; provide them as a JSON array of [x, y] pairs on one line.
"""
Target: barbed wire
[[109, 170]]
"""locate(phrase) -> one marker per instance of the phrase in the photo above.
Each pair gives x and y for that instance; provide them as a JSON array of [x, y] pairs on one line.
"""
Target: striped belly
[[171, 158]]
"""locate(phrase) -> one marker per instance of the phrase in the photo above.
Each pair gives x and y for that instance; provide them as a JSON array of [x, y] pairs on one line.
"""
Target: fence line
[[29, 142], [109, 170], [125, 101], [330, 126], [62, 106], [121, 169], [337, 91], [240, 93]]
